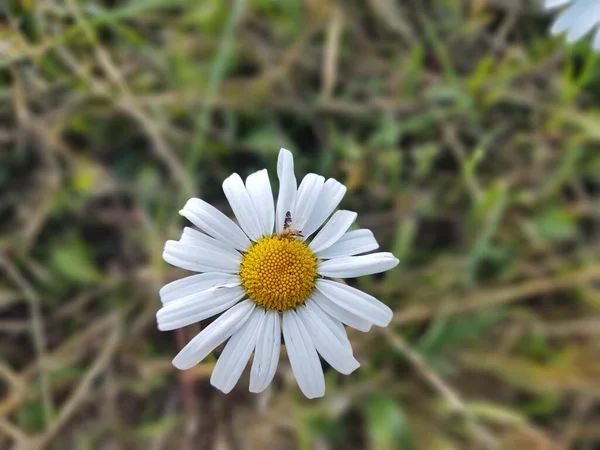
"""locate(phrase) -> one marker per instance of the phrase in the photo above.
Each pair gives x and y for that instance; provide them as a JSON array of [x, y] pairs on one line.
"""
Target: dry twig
[[442, 387]]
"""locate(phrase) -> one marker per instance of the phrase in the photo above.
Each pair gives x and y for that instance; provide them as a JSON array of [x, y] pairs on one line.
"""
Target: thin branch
[[128, 102], [216, 78], [332, 51], [442, 388], [37, 330], [495, 297], [83, 389]]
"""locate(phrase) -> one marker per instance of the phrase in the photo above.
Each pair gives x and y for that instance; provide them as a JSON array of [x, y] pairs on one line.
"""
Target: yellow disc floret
[[279, 273]]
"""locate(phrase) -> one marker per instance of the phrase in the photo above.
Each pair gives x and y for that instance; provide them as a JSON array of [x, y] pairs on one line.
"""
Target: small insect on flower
[[267, 279], [288, 231], [578, 18]]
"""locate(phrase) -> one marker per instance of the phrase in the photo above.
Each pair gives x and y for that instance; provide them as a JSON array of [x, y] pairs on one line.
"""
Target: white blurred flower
[[577, 19], [4, 47], [268, 280]]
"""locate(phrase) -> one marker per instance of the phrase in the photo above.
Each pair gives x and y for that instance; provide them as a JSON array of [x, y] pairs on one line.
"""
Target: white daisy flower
[[577, 19], [268, 279]]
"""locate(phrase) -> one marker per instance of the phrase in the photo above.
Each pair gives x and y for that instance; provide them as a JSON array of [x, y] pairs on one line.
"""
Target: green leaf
[[30, 416], [451, 330], [386, 424], [388, 132], [327, 427], [73, 261], [486, 218], [413, 68], [555, 225], [161, 428]]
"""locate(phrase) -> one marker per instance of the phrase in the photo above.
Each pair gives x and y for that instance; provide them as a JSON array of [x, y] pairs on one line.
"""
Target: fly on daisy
[[270, 275], [578, 18]]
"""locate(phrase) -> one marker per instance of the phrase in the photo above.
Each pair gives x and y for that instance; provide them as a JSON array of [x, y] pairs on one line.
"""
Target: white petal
[[213, 335], [596, 40], [303, 356], [340, 313], [308, 194], [193, 258], [326, 342], [242, 206], [331, 195], [333, 230], [235, 355], [203, 241], [357, 266], [214, 222], [195, 284], [587, 19], [266, 355], [351, 243], [196, 307], [555, 3], [566, 19], [287, 187], [357, 302], [335, 326], [259, 189]]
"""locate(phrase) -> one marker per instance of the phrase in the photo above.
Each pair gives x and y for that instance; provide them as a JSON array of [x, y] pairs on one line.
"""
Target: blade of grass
[[216, 77]]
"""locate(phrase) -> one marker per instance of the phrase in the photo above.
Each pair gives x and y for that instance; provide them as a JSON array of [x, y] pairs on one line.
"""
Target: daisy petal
[[566, 19], [259, 189], [235, 355], [351, 243], [196, 307], [357, 302], [357, 266], [333, 230], [331, 195], [213, 335], [587, 19], [204, 241], [242, 206], [195, 284], [189, 257], [214, 222], [326, 342], [335, 326], [303, 356], [340, 313], [306, 199], [555, 3], [266, 354], [596, 40], [287, 187]]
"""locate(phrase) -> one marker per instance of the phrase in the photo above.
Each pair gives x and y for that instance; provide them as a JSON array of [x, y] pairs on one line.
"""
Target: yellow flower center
[[279, 272]]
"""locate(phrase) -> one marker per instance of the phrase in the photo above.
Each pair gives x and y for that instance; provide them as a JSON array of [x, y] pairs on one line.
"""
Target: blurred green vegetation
[[469, 142]]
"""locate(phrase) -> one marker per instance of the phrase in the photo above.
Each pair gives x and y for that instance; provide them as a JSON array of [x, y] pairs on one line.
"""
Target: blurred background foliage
[[467, 138]]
